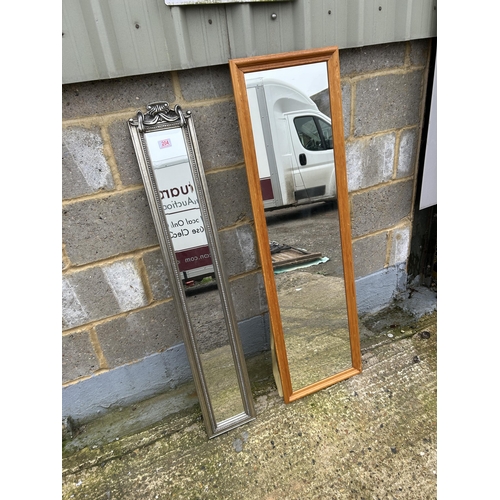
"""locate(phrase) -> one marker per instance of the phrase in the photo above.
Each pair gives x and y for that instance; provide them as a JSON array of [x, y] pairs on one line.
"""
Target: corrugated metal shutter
[[114, 38]]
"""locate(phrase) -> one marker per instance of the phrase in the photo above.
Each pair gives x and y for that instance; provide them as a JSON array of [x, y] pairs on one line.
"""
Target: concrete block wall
[[117, 304], [120, 332], [383, 90]]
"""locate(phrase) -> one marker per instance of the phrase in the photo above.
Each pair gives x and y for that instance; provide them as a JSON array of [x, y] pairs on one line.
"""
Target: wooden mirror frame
[[239, 68]]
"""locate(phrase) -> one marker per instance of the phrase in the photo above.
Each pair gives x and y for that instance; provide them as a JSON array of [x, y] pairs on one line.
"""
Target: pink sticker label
[[165, 143]]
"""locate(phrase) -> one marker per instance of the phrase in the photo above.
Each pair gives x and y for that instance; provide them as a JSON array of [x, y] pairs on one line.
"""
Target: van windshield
[[314, 133]]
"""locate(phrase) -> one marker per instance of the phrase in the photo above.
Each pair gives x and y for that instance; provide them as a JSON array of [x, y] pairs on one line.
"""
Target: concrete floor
[[370, 437]]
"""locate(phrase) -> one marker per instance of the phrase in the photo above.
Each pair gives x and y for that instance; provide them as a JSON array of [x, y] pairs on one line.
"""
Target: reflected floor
[[314, 317], [222, 382], [207, 318]]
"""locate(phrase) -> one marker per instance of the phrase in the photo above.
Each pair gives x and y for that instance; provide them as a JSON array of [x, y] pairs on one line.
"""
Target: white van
[[293, 143]]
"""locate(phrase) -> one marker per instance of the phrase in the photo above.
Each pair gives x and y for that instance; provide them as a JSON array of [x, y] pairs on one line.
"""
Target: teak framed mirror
[[289, 109], [169, 159]]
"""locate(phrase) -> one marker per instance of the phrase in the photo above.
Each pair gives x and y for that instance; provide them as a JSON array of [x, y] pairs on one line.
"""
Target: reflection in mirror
[[304, 242], [216, 357], [310, 288], [295, 160], [179, 199], [178, 196]]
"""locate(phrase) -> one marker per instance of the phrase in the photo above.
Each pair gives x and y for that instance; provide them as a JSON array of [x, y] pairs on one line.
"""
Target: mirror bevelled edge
[[238, 69]]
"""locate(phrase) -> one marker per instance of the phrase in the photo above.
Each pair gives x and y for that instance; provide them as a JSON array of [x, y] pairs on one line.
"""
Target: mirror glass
[[295, 159], [178, 196], [205, 310]]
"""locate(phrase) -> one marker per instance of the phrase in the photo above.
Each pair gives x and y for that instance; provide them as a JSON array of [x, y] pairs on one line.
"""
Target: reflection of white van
[[293, 143]]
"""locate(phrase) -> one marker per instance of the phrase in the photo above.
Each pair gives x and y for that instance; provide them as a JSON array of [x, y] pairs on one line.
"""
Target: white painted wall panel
[[428, 195]]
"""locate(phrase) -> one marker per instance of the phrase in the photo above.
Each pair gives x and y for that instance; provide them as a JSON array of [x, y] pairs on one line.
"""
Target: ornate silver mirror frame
[[214, 350]]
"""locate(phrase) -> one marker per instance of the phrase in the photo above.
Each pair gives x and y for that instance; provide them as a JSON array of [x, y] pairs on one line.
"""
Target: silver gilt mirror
[[169, 159]]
